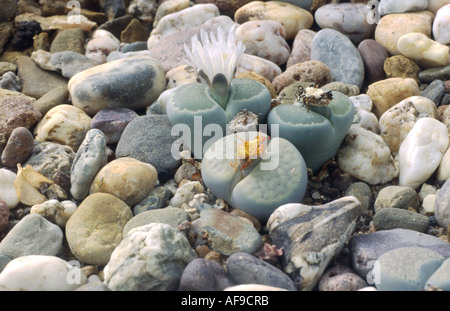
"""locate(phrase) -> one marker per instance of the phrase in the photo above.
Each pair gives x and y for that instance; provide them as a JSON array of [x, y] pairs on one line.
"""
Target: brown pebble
[[4, 215], [18, 148]]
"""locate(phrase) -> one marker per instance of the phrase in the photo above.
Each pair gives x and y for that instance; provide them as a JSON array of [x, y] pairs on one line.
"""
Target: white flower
[[215, 54]]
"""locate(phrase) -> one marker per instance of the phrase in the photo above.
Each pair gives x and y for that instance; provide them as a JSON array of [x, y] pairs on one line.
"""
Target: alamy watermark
[[74, 272], [74, 16], [373, 16]]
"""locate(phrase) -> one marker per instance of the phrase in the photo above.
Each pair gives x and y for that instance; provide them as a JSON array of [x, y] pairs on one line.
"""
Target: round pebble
[[18, 148]]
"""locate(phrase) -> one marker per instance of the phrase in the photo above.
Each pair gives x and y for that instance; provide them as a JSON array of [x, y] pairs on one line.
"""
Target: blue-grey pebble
[[435, 91], [338, 52], [148, 139], [158, 197], [366, 248], [204, 275], [10, 82], [135, 46], [442, 205], [393, 218], [4, 260], [445, 100], [304, 4], [70, 63], [247, 269], [431, 74], [406, 268], [440, 278]]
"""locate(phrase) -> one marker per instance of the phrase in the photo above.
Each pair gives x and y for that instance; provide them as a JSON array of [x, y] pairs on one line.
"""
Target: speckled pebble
[[397, 197], [112, 122], [434, 91], [362, 192], [399, 66], [158, 197], [4, 215], [301, 47], [18, 148], [341, 278], [10, 81], [393, 218]]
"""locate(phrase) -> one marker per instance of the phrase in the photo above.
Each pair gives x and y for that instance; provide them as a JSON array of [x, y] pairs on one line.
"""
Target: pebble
[[309, 71], [40, 273], [18, 148], [364, 155], [101, 44], [55, 211], [340, 55], [266, 39], [373, 55], [143, 10], [70, 63], [443, 172], [431, 74], [435, 91], [10, 81], [428, 204], [435, 5], [185, 19], [363, 113], [4, 215], [95, 228], [292, 17], [399, 66], [64, 124], [442, 205], [341, 278], [406, 269], [441, 25], [112, 122], [344, 88], [323, 230], [204, 275], [148, 139], [301, 47], [158, 198], [440, 278], [132, 82], [393, 218], [398, 197], [227, 234], [248, 269], [172, 216], [422, 151], [150, 257], [55, 97], [391, 6], [362, 192], [366, 248], [134, 47], [347, 18], [90, 158], [126, 178], [398, 120], [68, 40], [42, 59], [254, 76], [387, 93], [392, 26], [169, 7], [6, 67], [32, 235], [181, 75], [258, 65], [117, 25], [135, 31], [423, 50]]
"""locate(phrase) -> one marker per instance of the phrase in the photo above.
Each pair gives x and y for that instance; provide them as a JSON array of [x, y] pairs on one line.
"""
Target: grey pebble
[[442, 205], [440, 279], [393, 218], [431, 74], [158, 197], [340, 278], [10, 82], [397, 197], [362, 192], [70, 63], [435, 91], [204, 275]]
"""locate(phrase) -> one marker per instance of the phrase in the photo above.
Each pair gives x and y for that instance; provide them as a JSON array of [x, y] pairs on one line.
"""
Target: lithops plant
[[220, 97], [255, 173], [316, 123]]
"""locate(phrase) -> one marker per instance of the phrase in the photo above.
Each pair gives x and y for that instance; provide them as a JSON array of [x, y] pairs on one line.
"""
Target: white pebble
[[441, 25], [443, 172], [101, 45], [8, 192], [55, 211], [428, 203], [185, 193]]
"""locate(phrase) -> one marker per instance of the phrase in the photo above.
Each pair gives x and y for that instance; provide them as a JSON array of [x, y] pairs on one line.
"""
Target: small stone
[[70, 63], [421, 152], [23, 35], [55, 211], [32, 235], [227, 234], [393, 218], [10, 81], [362, 192], [172, 216], [340, 55], [95, 228], [435, 91], [40, 273], [254, 76], [185, 171], [55, 97], [7, 66], [406, 269], [6, 29], [292, 17], [101, 44], [258, 65], [117, 25], [19, 147], [323, 231], [42, 59], [185, 193], [441, 25], [431, 74], [4, 215], [264, 38], [158, 198], [247, 269], [391, 6], [344, 88], [423, 50], [373, 55], [440, 278], [392, 26], [309, 71], [41, 42], [64, 124], [173, 6], [442, 205], [399, 66], [128, 179], [301, 47], [134, 47], [398, 197], [347, 18], [428, 204], [112, 122], [113, 8], [363, 113], [135, 31], [341, 278], [150, 257], [181, 75], [204, 275], [143, 11], [8, 11], [443, 172], [68, 40], [7, 190], [386, 93]]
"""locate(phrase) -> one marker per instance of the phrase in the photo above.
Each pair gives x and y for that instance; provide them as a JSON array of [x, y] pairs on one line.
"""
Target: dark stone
[[442, 205], [431, 74], [247, 269], [135, 47], [8, 10], [204, 275], [19, 147], [117, 25], [6, 30], [112, 122], [23, 37], [435, 91], [393, 218], [158, 198], [113, 8], [373, 55]]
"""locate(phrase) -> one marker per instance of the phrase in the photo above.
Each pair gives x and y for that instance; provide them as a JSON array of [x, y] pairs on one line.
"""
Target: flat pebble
[[373, 55], [112, 122], [55, 97], [95, 228], [341, 278], [158, 197], [422, 151], [440, 278], [399, 66], [40, 273], [435, 91], [442, 205], [391, 6], [18, 148], [344, 88], [204, 275], [406, 269], [150, 257], [32, 235], [70, 63], [301, 47], [347, 18], [431, 74], [264, 38], [68, 40], [134, 32], [393, 218], [340, 55], [398, 197], [441, 25], [248, 269]]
